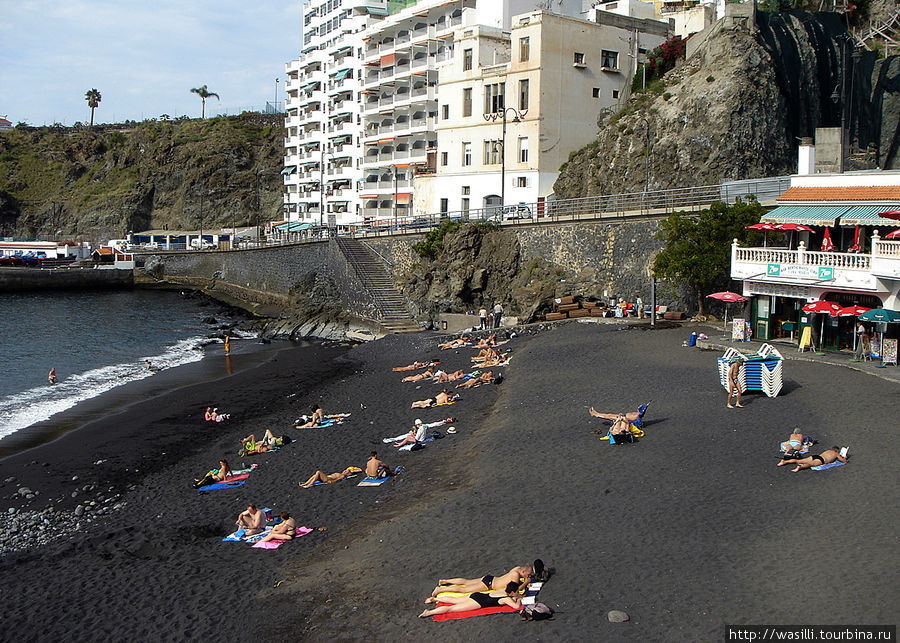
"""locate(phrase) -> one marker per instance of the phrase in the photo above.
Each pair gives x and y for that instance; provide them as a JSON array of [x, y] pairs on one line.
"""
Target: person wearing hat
[[417, 434]]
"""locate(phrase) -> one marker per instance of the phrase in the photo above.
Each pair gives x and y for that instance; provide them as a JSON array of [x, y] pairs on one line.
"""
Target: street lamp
[[646, 123], [518, 116], [275, 104], [842, 97]]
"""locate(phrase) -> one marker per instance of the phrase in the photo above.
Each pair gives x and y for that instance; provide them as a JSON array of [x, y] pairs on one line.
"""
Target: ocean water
[[96, 341]]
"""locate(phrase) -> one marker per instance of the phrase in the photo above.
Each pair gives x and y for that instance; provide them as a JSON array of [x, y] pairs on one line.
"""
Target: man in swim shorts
[[520, 575], [375, 468], [444, 397], [252, 521], [826, 457]]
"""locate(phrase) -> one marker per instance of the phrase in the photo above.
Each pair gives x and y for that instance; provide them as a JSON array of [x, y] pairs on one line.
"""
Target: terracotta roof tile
[[870, 193]]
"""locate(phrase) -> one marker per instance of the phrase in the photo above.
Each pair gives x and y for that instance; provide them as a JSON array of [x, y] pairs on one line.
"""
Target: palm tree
[[203, 93], [93, 99]]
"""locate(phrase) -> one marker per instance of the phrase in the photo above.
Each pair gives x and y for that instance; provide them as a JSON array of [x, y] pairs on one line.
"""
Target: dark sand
[[689, 530]]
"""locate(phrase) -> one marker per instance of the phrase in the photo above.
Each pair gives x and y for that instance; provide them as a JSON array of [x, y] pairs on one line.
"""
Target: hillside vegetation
[[103, 182]]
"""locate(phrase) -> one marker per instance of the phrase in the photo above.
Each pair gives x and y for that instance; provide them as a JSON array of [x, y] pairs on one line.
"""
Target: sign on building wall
[[793, 271]]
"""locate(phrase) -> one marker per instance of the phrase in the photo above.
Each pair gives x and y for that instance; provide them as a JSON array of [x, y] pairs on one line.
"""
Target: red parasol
[[768, 227], [890, 214], [827, 245], [727, 297], [794, 226], [855, 247], [828, 307], [893, 235], [851, 311]]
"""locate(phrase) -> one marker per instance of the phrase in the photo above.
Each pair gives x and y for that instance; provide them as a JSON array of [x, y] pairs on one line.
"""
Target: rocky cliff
[[736, 108], [103, 182]]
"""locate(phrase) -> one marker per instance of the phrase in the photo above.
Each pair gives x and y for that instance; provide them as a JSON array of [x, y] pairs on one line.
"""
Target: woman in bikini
[[216, 475], [476, 600], [311, 420], [424, 375], [793, 443], [444, 397], [826, 457]]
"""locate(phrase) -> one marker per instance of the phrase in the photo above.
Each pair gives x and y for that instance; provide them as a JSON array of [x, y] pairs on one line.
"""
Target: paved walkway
[[788, 350]]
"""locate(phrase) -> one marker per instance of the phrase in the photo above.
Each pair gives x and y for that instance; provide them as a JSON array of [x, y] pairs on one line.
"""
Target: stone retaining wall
[[21, 279]]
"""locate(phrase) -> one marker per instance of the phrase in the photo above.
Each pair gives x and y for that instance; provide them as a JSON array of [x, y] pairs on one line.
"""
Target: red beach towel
[[449, 616]]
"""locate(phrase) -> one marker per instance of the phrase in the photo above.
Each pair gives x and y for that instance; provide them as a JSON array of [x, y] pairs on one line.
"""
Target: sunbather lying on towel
[[444, 397], [520, 575], [252, 521], [306, 421], [282, 531], [250, 446], [494, 361], [375, 468], [424, 375], [215, 475], [442, 377], [484, 378], [797, 444], [327, 478], [489, 341], [464, 340], [415, 366], [631, 417], [487, 354], [476, 600], [826, 457]]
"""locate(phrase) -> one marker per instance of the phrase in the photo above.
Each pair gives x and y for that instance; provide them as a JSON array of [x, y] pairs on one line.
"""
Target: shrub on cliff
[[698, 245]]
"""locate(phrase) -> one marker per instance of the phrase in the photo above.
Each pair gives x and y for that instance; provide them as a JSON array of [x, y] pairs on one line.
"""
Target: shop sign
[[794, 271]]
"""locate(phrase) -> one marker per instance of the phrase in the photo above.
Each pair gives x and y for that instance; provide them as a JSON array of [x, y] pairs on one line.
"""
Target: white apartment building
[[551, 75], [323, 120], [400, 91]]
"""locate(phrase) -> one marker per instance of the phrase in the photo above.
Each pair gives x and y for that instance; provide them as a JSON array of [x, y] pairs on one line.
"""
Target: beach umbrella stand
[[881, 315], [726, 297], [824, 308]]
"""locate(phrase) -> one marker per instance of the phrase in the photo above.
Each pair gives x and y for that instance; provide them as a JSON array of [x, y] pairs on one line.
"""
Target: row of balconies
[[376, 76], [408, 126], [413, 35], [414, 95], [410, 155]]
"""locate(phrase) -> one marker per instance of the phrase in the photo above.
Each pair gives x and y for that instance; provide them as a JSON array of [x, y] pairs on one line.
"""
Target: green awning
[[868, 215], [822, 215], [309, 86], [377, 11], [342, 74], [289, 170]]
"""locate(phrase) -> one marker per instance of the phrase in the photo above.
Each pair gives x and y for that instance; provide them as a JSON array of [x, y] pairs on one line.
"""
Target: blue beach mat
[[375, 482], [831, 465], [223, 485]]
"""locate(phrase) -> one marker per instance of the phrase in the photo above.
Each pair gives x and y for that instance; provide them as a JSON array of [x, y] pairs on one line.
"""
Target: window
[[615, 93], [465, 206], [466, 189], [524, 49], [492, 152], [445, 206], [467, 59], [445, 158], [523, 149], [609, 59], [445, 112], [521, 181], [579, 58], [467, 102], [467, 154], [596, 92], [523, 94], [494, 98]]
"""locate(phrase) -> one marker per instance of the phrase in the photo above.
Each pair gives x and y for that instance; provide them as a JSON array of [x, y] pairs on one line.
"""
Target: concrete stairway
[[370, 269]]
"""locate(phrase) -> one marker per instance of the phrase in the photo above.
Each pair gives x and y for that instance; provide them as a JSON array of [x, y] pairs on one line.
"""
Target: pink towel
[[275, 544]]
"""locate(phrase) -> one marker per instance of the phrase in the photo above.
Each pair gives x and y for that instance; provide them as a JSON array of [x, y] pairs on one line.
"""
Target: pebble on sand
[[617, 616]]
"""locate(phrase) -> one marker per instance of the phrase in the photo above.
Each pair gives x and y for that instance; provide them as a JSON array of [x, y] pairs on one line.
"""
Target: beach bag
[[497, 378], [434, 433], [536, 612], [539, 574]]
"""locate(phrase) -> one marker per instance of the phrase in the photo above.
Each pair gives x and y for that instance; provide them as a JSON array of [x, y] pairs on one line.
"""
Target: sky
[[143, 56]]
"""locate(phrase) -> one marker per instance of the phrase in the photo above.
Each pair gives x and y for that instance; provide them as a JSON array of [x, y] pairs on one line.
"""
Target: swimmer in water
[[52, 376], [148, 365]]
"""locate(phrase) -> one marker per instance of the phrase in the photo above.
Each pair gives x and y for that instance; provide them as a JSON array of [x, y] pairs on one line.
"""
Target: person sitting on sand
[[520, 575], [734, 384], [417, 434], [284, 530], [252, 521], [208, 416], [826, 457], [306, 421], [484, 378], [424, 375], [489, 341], [327, 478], [476, 600], [444, 397], [216, 475], [415, 366], [375, 468], [441, 377], [51, 377], [250, 446]]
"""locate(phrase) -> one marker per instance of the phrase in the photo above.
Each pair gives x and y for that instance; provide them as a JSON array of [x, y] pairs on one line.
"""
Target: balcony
[[804, 267]]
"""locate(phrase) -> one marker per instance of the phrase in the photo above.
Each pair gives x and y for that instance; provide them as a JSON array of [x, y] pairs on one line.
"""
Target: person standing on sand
[[227, 344], [734, 384], [509, 595], [482, 315], [498, 314], [520, 575], [284, 530], [826, 457], [252, 521], [52, 376]]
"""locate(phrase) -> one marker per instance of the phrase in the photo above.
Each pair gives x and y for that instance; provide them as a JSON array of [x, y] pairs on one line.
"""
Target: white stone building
[[552, 76]]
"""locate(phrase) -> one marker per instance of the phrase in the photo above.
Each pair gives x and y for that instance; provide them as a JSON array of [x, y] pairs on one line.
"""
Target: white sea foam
[[38, 404]]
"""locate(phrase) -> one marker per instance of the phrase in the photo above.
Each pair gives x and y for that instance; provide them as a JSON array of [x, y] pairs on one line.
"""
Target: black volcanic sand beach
[[689, 530]]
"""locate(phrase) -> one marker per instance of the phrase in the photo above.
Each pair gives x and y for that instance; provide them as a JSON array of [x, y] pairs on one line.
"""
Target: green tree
[[93, 99], [698, 245], [203, 93]]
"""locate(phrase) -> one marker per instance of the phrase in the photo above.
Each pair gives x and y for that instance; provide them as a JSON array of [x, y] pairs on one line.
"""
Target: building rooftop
[[880, 193]]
